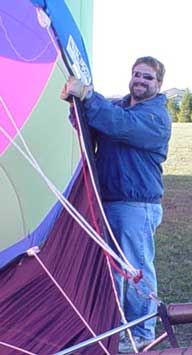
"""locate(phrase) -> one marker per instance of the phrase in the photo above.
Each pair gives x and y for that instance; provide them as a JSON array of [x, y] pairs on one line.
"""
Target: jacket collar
[[159, 98]]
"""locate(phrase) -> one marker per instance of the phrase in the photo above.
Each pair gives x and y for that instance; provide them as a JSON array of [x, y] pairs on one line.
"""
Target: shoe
[[125, 346]]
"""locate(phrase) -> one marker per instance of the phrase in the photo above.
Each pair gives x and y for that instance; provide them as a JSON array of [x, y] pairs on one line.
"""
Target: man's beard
[[146, 94]]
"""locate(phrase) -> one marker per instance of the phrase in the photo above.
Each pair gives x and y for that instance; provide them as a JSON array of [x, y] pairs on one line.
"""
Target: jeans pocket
[[157, 215]]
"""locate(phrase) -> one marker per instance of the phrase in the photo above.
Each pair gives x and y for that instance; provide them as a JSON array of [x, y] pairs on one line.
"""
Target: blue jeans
[[134, 225]]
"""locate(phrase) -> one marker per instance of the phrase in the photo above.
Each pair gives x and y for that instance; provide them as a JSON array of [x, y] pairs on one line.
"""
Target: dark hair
[[154, 63]]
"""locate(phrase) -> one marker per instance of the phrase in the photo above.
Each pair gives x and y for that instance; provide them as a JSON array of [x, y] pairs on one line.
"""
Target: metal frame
[[167, 321], [105, 335]]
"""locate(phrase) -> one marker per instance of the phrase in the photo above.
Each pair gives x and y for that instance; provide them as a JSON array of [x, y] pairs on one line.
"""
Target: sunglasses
[[146, 76]]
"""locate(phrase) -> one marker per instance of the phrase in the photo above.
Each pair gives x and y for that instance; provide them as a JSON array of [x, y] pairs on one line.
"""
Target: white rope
[[33, 162], [102, 212], [71, 210], [65, 203], [128, 330], [109, 230], [97, 195], [33, 251], [88, 163], [16, 348], [65, 71]]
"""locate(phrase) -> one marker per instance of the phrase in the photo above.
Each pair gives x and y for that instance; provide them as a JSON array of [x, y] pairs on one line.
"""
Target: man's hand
[[65, 96], [75, 87]]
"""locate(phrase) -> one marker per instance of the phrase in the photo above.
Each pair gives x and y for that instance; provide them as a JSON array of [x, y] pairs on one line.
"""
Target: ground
[[174, 237]]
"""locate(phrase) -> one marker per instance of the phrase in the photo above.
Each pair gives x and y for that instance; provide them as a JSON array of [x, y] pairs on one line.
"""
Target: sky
[[124, 30]]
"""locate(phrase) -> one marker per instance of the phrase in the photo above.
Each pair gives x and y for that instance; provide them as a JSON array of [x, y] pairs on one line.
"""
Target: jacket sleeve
[[143, 126], [73, 121]]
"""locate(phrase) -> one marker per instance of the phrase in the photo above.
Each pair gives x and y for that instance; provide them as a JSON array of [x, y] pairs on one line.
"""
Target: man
[[132, 143]]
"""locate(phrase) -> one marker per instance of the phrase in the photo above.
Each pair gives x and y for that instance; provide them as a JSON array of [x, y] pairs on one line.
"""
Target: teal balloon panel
[[32, 77]]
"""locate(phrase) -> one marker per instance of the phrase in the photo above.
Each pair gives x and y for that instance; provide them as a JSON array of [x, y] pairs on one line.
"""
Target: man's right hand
[[75, 87], [65, 96]]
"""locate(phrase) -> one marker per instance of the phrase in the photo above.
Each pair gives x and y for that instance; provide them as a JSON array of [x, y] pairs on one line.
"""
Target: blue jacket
[[132, 143]]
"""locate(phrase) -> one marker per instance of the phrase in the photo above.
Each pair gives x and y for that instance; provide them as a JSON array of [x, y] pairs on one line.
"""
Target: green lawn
[[174, 237]]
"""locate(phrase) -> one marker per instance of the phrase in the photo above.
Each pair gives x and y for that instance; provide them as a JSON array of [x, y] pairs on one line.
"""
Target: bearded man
[[132, 137]]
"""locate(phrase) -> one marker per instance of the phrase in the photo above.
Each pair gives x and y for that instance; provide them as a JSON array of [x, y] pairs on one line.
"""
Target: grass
[[174, 237]]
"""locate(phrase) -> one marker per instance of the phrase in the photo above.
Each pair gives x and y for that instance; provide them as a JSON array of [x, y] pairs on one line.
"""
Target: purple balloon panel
[[27, 57], [21, 36]]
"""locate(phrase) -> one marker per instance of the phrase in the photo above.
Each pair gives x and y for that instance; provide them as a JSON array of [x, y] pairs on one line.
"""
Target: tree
[[185, 111], [173, 109]]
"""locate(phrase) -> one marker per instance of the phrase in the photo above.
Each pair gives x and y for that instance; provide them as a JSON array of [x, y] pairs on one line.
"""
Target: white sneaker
[[125, 346]]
